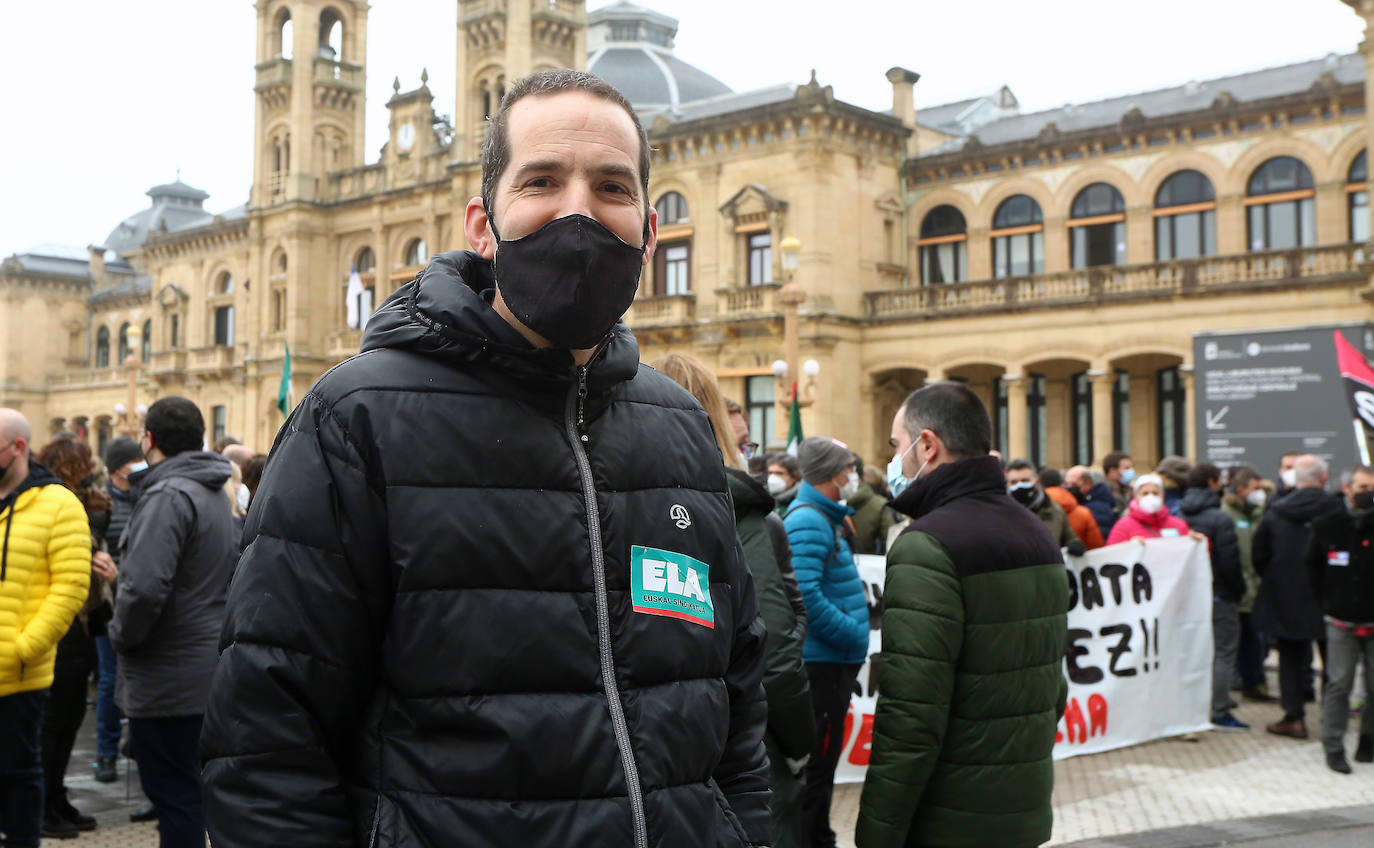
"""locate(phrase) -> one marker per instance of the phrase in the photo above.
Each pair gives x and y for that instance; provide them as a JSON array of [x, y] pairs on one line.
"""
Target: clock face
[[406, 136]]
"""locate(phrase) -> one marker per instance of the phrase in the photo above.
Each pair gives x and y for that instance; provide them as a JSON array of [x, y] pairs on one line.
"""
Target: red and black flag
[[1358, 377]]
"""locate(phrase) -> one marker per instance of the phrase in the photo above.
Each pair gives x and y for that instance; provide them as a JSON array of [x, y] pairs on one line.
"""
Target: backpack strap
[[839, 533]]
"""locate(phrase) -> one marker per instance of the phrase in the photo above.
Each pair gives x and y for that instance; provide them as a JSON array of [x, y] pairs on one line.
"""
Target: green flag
[[794, 431], [284, 393]]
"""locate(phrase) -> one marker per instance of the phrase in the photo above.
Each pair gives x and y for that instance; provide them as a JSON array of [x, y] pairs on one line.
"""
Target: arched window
[[331, 36], [672, 209], [279, 264], [1018, 238], [1097, 225], [366, 262], [1185, 217], [486, 99], [123, 342], [1357, 189], [102, 348], [1281, 204], [944, 246], [147, 343], [224, 283], [285, 34], [416, 252]]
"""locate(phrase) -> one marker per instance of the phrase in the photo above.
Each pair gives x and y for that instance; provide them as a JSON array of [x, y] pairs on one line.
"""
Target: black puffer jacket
[[490, 599], [1340, 563], [1201, 508], [1286, 607]]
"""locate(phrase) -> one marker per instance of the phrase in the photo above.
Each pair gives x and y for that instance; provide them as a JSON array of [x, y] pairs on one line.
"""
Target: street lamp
[[131, 413], [792, 297]]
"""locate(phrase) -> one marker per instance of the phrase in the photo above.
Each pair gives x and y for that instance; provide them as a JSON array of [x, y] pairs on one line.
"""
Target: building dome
[[631, 47], [175, 206]]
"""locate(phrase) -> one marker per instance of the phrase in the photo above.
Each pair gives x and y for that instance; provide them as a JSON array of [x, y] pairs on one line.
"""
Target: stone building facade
[[1059, 263]]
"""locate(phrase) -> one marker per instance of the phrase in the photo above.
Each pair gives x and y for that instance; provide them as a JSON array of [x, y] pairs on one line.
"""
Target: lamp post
[[131, 413], [792, 296]]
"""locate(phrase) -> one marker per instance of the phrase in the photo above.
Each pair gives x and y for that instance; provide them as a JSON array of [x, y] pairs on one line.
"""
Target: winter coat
[[972, 686], [489, 598], [1246, 517], [1286, 607], [1080, 519], [1340, 562], [790, 719], [1102, 504], [122, 506], [1053, 518], [1139, 524], [836, 604], [1173, 497], [180, 550], [45, 575], [872, 519], [1201, 508]]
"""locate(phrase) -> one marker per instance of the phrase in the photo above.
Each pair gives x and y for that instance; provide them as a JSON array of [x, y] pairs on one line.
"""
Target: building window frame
[[102, 347], [1185, 204], [672, 208], [224, 325], [146, 343], [1171, 405], [672, 268], [1281, 205], [1000, 416], [1357, 198], [1121, 412], [761, 409], [174, 332], [1018, 238], [943, 246], [1037, 420], [219, 422], [124, 349], [1081, 405], [759, 255], [1097, 227]]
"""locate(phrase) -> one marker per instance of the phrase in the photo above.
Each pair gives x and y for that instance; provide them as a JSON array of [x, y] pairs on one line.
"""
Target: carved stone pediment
[[753, 199]]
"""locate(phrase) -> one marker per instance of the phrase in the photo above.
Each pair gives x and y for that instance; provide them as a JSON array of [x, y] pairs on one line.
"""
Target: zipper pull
[[582, 401]]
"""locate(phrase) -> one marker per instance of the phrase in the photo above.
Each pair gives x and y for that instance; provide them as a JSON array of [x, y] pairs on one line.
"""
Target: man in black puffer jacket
[[1201, 508], [494, 595]]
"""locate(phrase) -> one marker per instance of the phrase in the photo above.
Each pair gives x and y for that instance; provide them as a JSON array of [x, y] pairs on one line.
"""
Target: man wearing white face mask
[[836, 611], [1288, 475], [1244, 502]]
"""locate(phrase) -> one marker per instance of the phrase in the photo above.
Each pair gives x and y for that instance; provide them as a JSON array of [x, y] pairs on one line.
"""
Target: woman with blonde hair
[[791, 721]]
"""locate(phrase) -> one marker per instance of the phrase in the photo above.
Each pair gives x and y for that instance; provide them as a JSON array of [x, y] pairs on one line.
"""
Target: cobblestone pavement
[[1225, 788]]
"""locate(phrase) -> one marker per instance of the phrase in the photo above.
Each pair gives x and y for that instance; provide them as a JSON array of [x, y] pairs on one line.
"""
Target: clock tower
[[311, 75]]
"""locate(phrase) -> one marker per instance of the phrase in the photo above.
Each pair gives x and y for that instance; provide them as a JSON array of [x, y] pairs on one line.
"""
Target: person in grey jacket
[[180, 548]]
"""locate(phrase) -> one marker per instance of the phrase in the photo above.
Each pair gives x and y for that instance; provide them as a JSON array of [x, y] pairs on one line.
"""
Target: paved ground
[[1250, 789]]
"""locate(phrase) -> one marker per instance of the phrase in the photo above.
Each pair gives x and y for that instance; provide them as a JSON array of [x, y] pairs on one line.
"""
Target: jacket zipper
[[576, 427]]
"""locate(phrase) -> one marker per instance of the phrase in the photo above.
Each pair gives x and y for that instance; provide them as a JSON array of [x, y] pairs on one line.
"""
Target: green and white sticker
[[671, 584]]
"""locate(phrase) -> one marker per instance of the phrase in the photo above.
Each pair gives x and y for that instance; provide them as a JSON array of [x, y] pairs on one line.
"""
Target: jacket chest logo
[[680, 516], [671, 584]]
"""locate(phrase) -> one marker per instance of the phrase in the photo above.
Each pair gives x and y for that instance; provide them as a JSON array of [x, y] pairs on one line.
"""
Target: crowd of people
[[501, 583]]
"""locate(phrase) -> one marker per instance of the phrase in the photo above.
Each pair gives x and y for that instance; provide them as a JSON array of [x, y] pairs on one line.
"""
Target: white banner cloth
[[1138, 657]]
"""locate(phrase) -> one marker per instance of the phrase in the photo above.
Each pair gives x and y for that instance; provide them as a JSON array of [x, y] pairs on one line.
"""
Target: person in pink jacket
[[1147, 516]]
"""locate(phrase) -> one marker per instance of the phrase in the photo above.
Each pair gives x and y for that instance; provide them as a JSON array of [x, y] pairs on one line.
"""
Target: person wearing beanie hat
[[1174, 470], [836, 609], [122, 456]]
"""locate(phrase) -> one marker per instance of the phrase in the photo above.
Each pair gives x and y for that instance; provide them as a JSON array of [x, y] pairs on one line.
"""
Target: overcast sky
[[101, 100]]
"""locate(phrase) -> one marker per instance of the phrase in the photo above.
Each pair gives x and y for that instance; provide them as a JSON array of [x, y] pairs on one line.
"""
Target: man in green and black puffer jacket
[[974, 625]]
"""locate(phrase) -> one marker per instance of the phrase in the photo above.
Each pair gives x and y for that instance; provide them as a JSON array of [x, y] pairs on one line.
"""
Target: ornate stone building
[[1059, 262]]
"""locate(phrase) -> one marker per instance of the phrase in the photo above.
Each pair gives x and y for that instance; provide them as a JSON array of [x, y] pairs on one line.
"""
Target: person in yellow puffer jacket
[[45, 573]]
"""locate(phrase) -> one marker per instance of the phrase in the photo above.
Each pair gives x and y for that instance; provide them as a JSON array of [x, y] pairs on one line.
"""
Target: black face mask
[[1024, 496], [569, 281], [1364, 501]]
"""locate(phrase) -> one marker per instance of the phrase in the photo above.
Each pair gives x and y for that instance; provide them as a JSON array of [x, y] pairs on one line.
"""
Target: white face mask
[[1257, 498], [1289, 478], [776, 485], [850, 487], [1150, 503], [243, 498]]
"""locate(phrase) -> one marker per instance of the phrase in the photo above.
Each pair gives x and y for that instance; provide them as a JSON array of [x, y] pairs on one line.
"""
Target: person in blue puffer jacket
[[836, 608]]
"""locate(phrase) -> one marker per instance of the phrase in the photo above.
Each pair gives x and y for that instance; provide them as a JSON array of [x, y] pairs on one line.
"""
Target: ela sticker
[[671, 584]]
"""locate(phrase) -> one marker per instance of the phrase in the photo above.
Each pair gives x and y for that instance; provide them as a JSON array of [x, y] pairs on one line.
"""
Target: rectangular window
[[1283, 226], [224, 325], [1082, 392], [1172, 401], [761, 409], [175, 333], [220, 416], [1121, 412], [944, 263], [279, 309], [1037, 416], [1186, 236], [760, 259], [1099, 244], [672, 268], [1019, 255], [1359, 216], [999, 419]]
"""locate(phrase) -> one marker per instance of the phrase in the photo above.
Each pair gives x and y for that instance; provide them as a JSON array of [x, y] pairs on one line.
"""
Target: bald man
[[45, 574], [1097, 497]]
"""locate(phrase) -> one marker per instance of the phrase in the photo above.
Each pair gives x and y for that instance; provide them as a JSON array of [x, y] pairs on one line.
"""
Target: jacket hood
[[976, 475], [748, 494], [1199, 500], [443, 314], [1303, 505], [207, 468], [1235, 502], [39, 475], [1101, 492]]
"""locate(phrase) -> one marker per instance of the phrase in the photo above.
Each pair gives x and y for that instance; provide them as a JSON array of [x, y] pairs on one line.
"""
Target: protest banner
[[1138, 656]]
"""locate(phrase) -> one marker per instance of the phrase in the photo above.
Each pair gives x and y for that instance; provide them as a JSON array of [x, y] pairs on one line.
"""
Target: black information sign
[[1264, 393]]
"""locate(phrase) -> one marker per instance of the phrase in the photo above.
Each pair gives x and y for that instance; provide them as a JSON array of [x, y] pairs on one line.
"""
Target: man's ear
[[477, 228], [650, 237]]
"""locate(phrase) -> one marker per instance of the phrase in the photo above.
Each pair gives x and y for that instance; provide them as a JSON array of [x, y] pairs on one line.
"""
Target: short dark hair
[[176, 425], [1241, 475], [954, 413], [223, 442], [1112, 461], [1360, 469], [1050, 477], [1019, 464], [496, 149], [788, 462], [1202, 475], [252, 472]]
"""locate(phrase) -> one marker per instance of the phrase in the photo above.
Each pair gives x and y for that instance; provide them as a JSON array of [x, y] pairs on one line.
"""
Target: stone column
[[1016, 416], [1185, 371], [1102, 380]]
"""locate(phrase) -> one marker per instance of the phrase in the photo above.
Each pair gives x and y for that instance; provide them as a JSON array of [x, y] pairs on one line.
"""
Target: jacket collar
[[748, 494], [809, 494], [975, 475]]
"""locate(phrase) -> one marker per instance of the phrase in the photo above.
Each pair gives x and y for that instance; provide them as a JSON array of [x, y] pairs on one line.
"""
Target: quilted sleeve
[[69, 560]]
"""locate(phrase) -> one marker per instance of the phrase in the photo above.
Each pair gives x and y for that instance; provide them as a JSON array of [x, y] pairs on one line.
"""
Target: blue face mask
[[1127, 476], [137, 467], [896, 480]]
